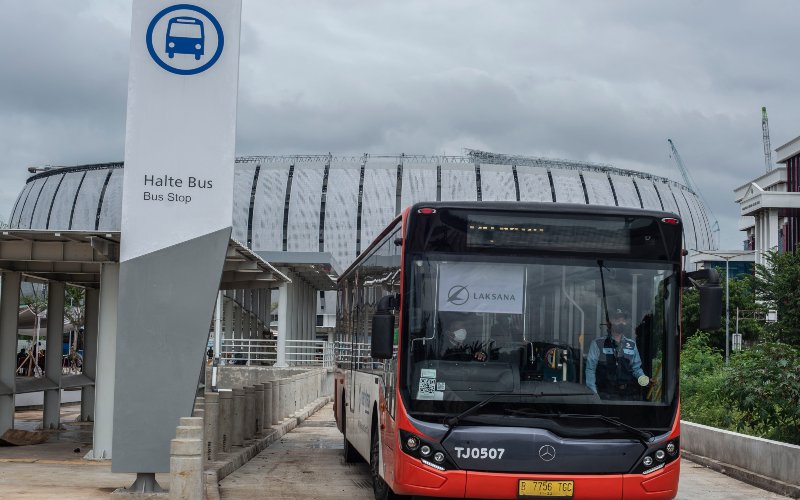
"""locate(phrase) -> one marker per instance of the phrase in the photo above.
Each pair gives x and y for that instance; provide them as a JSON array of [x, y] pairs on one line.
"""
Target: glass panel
[[24, 218], [419, 182], [242, 185], [269, 205], [458, 182], [62, 207], [17, 210], [626, 193], [534, 185], [598, 188], [649, 195], [303, 228], [497, 183], [341, 210], [110, 215], [379, 198], [43, 206], [567, 184], [88, 198]]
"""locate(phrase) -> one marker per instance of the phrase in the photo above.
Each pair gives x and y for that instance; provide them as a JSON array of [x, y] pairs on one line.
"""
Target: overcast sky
[[607, 82]]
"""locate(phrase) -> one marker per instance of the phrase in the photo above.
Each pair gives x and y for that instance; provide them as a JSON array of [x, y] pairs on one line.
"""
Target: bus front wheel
[[379, 486]]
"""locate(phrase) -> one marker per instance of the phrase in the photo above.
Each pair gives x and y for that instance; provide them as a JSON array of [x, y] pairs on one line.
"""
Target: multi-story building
[[769, 205]]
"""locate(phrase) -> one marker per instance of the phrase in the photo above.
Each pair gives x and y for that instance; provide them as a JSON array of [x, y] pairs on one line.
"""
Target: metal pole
[[727, 310], [217, 333]]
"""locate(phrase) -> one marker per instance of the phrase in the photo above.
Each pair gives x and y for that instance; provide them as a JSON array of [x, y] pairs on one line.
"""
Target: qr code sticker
[[427, 386]]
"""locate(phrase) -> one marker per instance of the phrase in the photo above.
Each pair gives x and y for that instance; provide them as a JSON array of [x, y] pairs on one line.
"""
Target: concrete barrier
[[211, 426], [259, 417], [276, 402], [186, 460], [266, 418], [249, 412], [225, 420], [771, 459], [237, 432]]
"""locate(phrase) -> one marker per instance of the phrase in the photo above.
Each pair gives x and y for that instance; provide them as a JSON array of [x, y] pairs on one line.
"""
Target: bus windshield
[[583, 334]]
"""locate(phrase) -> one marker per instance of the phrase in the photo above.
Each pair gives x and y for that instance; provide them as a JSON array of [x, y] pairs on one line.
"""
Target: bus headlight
[[425, 450], [438, 457], [412, 443], [660, 455], [671, 448], [647, 461]]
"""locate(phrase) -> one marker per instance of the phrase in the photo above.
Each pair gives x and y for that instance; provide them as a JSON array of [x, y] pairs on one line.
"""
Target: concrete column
[[199, 407], [276, 402], [92, 302], [266, 417], [283, 324], [211, 426], [259, 417], [55, 331], [106, 355], [249, 412], [9, 313], [186, 461], [284, 393], [237, 433], [227, 319], [225, 433]]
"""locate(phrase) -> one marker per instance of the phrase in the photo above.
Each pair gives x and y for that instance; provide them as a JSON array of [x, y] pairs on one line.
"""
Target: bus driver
[[613, 365]]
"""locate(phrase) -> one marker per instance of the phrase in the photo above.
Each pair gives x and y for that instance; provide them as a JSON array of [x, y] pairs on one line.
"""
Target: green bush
[[702, 381], [762, 385]]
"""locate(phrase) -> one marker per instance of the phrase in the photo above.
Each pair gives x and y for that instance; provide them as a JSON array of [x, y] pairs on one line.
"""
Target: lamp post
[[727, 257]]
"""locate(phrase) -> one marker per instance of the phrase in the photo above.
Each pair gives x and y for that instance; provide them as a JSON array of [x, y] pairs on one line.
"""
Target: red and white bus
[[466, 364]]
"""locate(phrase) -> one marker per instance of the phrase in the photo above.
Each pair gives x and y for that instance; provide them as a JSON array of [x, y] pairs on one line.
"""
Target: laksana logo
[[460, 295]]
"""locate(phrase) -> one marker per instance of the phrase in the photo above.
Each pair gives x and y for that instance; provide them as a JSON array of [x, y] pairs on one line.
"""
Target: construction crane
[[765, 132], [693, 188]]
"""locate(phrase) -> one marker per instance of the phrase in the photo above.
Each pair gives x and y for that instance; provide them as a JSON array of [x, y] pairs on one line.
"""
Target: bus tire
[[351, 455], [381, 490]]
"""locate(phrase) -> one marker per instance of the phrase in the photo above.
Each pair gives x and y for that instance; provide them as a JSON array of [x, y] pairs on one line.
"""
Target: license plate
[[545, 489]]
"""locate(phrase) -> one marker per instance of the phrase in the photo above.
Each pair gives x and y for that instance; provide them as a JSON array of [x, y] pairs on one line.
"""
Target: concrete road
[[307, 463]]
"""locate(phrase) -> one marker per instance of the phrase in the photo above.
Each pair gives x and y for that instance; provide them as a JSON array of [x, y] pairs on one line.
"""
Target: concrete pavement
[[307, 463]]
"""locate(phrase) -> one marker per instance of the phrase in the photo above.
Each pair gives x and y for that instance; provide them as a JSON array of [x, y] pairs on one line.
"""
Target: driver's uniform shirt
[[619, 362]]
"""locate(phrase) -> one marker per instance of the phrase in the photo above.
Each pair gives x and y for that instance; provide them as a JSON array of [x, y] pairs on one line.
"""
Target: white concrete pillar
[[227, 318], [92, 302], [9, 314], [211, 426], [106, 355], [283, 324], [51, 414], [224, 435]]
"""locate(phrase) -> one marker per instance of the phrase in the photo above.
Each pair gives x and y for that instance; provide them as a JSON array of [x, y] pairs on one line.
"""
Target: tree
[[75, 310], [777, 284], [742, 296]]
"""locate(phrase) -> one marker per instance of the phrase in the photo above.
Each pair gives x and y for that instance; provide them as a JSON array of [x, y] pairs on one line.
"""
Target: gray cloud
[[606, 82]]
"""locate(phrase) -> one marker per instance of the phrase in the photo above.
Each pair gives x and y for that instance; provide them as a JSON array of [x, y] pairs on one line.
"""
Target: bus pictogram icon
[[184, 39], [185, 35]]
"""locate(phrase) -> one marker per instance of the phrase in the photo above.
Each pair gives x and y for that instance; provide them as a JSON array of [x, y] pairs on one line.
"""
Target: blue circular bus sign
[[184, 39]]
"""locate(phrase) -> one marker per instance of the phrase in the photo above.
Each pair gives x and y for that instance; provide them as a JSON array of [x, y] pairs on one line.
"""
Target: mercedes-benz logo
[[547, 453], [458, 295]]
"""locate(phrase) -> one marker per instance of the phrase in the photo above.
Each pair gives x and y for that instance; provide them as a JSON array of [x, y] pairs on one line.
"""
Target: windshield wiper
[[453, 421], [644, 435]]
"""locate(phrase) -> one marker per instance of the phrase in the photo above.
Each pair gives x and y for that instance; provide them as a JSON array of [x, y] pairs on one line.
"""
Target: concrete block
[[224, 434], [237, 431], [186, 447], [259, 399], [211, 429], [249, 412], [267, 417], [186, 477], [276, 402]]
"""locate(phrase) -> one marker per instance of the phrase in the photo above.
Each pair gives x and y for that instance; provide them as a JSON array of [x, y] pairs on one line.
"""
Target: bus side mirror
[[383, 327], [710, 307], [710, 297], [382, 336]]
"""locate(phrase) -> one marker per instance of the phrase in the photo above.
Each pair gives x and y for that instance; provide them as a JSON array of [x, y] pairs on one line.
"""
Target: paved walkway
[[56, 469], [307, 463]]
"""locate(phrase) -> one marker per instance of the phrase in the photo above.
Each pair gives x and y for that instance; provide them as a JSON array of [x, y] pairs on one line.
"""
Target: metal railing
[[265, 352]]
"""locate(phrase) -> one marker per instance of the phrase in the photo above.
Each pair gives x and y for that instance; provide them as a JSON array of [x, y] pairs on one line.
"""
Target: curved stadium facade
[[339, 204]]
